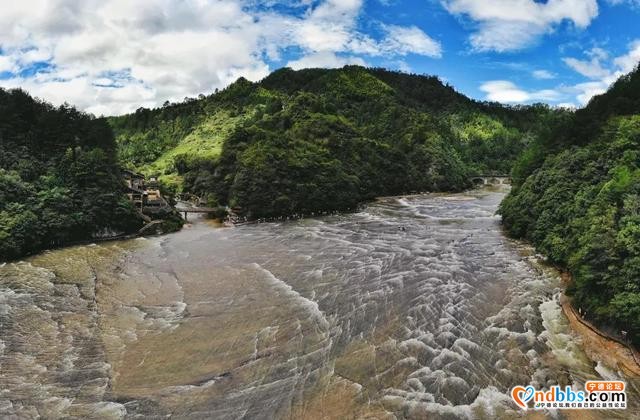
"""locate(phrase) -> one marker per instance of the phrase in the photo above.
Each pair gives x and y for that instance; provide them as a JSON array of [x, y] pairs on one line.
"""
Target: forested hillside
[[59, 178], [577, 198], [319, 140]]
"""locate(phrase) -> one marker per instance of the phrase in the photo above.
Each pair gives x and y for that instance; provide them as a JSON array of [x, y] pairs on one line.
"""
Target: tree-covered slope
[[320, 140], [59, 178], [577, 198]]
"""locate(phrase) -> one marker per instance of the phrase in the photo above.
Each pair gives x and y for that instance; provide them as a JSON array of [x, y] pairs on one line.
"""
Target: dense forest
[[318, 140], [576, 196], [59, 177]]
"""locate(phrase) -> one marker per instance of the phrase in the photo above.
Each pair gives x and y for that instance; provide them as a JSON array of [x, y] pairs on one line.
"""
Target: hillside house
[[135, 187], [141, 193], [154, 198]]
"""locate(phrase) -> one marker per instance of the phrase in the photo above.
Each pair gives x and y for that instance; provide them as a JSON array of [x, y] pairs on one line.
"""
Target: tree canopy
[[576, 196], [59, 177]]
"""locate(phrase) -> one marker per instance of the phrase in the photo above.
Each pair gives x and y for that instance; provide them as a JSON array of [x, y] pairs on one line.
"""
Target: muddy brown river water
[[416, 307]]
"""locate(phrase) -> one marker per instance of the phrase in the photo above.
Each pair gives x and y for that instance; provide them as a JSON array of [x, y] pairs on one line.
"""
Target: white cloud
[[591, 69], [507, 25], [507, 92], [405, 40], [404, 67], [628, 62], [504, 91], [586, 91], [161, 50], [7, 64], [566, 105], [601, 70], [543, 75], [503, 36], [632, 3], [324, 59]]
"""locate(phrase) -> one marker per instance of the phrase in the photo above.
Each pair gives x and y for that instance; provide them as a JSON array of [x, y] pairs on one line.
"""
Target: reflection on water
[[415, 307]]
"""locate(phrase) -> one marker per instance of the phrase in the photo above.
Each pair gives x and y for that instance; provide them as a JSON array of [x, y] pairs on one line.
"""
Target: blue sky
[[113, 56]]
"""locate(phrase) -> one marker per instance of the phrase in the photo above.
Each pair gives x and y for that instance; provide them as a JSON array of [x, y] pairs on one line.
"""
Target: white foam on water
[[189, 388], [55, 407], [558, 336], [311, 306], [460, 198], [5, 296], [108, 410], [166, 317], [606, 373], [490, 403]]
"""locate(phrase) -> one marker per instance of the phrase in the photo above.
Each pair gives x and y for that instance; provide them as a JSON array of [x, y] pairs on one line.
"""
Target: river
[[414, 307]]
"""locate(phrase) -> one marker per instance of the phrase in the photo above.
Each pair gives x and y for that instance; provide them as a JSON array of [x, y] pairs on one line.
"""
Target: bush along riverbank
[[576, 197]]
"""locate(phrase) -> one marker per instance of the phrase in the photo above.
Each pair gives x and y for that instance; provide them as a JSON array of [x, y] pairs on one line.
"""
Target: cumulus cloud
[[508, 25], [112, 56], [629, 61], [597, 66], [601, 70], [632, 3], [591, 68], [543, 75], [6, 64], [507, 92], [566, 105], [405, 40], [324, 59]]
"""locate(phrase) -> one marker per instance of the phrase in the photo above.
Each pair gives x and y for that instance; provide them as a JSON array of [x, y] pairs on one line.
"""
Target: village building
[[154, 198], [135, 188], [145, 195]]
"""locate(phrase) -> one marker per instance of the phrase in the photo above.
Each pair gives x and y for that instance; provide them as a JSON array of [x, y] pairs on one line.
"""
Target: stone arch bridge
[[491, 180]]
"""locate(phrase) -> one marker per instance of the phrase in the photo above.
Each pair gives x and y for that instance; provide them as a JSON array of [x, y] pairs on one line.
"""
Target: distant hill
[[319, 140], [59, 177], [577, 198]]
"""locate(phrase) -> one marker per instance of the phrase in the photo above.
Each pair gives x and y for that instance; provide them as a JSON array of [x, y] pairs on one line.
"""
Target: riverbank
[[599, 345], [152, 228]]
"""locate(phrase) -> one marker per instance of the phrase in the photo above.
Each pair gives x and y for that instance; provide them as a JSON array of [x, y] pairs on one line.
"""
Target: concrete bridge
[[491, 180], [186, 208]]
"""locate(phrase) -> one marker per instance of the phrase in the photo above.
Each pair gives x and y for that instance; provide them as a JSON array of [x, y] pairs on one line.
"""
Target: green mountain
[[59, 177], [576, 196], [316, 140]]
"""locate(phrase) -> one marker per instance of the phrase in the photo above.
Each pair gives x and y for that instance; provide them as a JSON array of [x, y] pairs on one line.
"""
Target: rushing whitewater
[[415, 307]]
